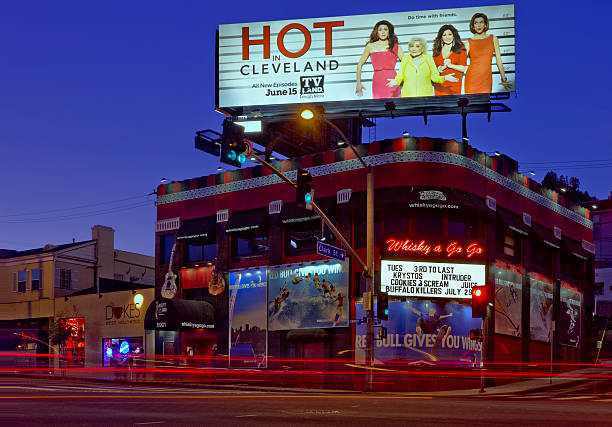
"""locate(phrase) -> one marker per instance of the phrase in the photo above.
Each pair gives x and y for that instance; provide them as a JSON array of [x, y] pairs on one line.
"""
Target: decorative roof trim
[[379, 160]]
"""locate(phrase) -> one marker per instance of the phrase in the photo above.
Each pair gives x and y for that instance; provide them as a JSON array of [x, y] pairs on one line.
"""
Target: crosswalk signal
[[382, 306], [304, 190], [382, 333], [479, 301], [233, 146]]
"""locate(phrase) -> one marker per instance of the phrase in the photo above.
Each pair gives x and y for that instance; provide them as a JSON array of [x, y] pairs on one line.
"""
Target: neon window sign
[[460, 250]]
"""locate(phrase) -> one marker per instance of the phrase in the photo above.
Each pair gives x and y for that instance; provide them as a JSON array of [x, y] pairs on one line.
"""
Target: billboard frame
[[372, 108]]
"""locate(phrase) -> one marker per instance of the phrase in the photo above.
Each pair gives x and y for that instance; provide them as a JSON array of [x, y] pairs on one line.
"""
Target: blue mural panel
[[424, 331]]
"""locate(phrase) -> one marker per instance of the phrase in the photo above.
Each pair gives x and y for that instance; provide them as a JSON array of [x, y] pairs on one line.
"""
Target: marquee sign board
[[430, 279]]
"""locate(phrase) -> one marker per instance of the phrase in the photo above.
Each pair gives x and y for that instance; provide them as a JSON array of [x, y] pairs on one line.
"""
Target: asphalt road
[[27, 401]]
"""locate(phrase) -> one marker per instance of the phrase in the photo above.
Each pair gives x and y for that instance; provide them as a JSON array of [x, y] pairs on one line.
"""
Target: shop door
[[311, 364], [169, 350]]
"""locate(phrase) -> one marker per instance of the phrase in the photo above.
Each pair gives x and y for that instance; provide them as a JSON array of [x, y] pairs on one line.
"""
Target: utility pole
[[368, 271], [368, 266]]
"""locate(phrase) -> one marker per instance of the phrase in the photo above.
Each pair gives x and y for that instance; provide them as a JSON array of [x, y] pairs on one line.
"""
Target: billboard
[[423, 331], [308, 296], [508, 299], [569, 315], [247, 318], [541, 307], [357, 58]]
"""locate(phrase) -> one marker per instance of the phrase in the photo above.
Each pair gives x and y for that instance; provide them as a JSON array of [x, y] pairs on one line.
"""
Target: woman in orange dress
[[480, 49], [449, 55]]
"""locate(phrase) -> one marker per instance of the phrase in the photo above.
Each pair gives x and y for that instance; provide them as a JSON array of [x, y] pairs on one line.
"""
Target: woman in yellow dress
[[417, 71]]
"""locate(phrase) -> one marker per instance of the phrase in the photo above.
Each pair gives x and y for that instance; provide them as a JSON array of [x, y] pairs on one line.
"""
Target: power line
[[567, 161], [74, 207], [77, 215]]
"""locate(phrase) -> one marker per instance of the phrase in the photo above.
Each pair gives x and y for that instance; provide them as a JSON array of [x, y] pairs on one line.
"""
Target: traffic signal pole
[[369, 275], [318, 211], [368, 266]]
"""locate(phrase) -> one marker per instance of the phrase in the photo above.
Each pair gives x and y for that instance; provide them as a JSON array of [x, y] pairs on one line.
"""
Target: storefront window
[[395, 226], [123, 352], [569, 265], [252, 243], [199, 250], [361, 233], [542, 255], [69, 335], [301, 237], [456, 229]]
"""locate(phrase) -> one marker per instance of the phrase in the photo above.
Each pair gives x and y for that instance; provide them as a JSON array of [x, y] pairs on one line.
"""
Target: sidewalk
[[536, 385]]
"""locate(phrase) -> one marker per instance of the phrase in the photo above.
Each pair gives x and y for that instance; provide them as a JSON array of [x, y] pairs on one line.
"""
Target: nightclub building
[[447, 217]]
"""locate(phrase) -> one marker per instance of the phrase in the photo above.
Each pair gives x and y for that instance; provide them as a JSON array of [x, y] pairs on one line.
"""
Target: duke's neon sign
[[453, 249]]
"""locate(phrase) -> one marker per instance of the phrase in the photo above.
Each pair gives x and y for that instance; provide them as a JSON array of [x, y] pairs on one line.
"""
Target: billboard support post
[[370, 278], [368, 271]]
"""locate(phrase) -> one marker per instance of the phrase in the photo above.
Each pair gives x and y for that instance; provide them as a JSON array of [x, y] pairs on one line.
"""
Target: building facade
[[602, 238], [244, 249], [59, 289]]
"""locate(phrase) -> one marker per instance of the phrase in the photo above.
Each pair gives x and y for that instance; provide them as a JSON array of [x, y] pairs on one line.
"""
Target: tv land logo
[[310, 85]]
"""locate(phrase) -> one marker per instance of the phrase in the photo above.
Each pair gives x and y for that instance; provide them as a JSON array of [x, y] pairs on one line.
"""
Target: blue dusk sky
[[99, 100]]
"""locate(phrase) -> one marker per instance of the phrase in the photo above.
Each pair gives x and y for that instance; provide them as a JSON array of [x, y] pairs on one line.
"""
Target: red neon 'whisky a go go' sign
[[434, 248]]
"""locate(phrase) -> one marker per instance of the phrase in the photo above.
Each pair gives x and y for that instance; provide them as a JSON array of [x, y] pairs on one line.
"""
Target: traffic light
[[382, 306], [233, 146], [476, 334], [480, 301], [303, 195]]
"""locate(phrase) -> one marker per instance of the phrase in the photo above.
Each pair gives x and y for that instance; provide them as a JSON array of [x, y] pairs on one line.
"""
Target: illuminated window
[[123, 352]]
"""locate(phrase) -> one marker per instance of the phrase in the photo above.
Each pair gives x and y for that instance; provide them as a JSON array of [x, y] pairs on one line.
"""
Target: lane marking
[[161, 396], [572, 398], [150, 422]]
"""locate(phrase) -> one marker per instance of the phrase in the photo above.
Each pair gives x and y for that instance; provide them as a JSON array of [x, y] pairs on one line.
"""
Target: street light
[[368, 267], [307, 114]]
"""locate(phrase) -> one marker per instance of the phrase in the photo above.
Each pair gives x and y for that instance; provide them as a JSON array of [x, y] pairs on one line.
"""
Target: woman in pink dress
[[384, 51]]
